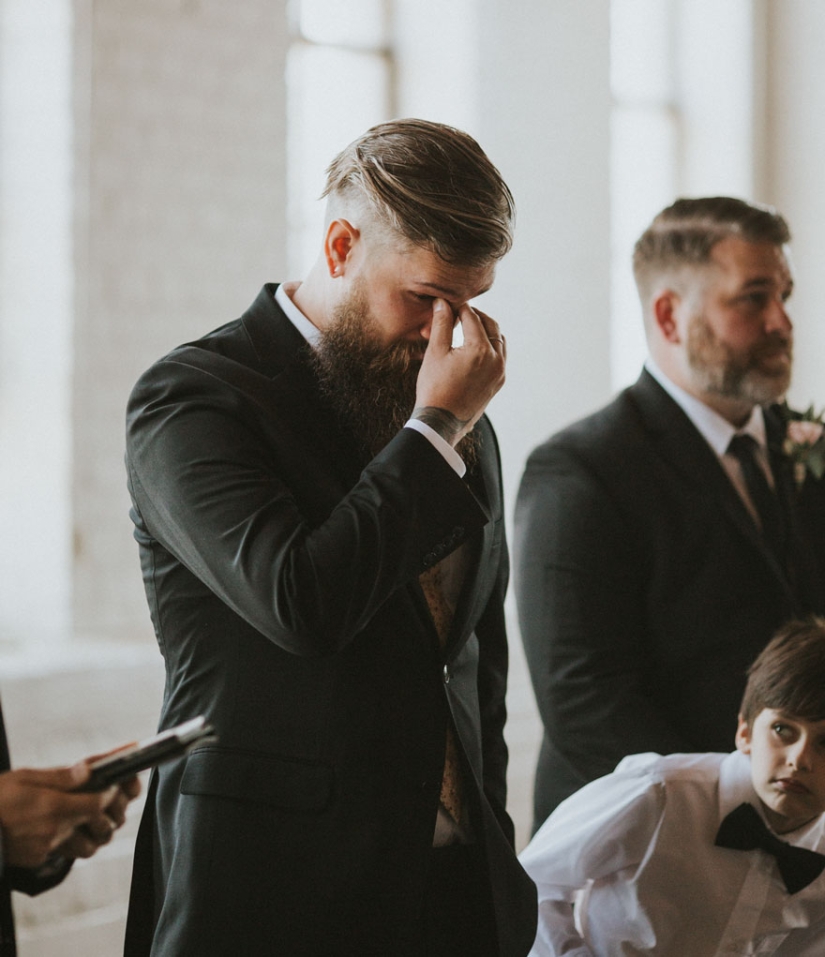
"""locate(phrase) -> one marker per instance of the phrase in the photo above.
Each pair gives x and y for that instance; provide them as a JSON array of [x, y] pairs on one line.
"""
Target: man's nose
[[777, 318]]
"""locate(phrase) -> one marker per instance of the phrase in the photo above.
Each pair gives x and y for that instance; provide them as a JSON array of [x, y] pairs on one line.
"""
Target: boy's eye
[[782, 730]]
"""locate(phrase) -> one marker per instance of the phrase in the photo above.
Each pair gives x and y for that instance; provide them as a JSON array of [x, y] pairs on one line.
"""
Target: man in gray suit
[[661, 541]]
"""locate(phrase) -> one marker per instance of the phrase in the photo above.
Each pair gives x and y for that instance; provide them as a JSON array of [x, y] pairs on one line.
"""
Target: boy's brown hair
[[789, 674]]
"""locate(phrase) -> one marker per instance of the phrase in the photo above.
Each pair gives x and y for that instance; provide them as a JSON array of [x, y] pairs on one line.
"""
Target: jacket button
[[447, 674]]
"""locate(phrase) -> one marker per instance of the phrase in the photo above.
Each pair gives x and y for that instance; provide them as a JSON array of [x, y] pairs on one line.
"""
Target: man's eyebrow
[[445, 292], [765, 281]]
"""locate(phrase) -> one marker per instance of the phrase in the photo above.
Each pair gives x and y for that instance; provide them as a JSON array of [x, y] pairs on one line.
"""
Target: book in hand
[[165, 746]]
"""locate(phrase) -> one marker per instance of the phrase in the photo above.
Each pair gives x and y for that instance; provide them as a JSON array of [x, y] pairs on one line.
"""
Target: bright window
[[339, 83], [685, 85], [645, 131]]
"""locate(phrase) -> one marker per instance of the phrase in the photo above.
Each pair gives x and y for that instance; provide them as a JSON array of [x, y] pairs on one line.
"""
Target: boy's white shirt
[[635, 850]]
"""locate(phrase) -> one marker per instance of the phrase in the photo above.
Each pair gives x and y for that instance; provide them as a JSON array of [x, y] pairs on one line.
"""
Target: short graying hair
[[431, 183], [685, 233]]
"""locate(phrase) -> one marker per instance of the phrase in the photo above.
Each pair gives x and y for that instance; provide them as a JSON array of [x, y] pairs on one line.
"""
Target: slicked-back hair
[[685, 233], [789, 674], [431, 183]]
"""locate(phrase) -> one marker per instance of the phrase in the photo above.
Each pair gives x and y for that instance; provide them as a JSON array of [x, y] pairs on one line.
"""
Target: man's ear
[[743, 736], [665, 307], [339, 243]]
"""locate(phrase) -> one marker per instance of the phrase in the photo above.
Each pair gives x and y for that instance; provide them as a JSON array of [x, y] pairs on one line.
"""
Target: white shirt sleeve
[[604, 828], [441, 445]]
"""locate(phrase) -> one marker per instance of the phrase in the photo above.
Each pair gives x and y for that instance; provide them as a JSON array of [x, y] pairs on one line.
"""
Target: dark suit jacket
[[19, 878], [644, 587], [282, 578]]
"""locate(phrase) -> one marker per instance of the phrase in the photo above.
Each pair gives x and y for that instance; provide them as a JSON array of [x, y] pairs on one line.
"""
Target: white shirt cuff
[[453, 459]]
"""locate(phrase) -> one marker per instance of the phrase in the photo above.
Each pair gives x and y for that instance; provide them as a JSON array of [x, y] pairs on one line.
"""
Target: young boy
[[639, 853]]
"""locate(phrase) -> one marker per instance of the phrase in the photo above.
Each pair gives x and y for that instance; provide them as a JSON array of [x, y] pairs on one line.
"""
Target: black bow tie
[[744, 830]]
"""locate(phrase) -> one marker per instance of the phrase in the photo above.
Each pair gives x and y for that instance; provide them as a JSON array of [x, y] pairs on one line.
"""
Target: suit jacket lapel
[[292, 392], [677, 440], [801, 559], [484, 483]]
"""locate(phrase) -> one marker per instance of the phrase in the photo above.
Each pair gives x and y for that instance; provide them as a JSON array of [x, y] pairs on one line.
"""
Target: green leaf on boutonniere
[[816, 460]]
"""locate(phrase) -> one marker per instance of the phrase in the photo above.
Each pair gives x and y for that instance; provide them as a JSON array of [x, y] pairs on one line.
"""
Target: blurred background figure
[[44, 828]]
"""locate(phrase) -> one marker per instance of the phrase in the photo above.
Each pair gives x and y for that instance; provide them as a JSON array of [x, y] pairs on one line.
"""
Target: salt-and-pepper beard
[[737, 375], [371, 387]]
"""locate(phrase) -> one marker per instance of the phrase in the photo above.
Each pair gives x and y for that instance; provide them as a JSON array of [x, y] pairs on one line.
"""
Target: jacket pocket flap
[[259, 778]]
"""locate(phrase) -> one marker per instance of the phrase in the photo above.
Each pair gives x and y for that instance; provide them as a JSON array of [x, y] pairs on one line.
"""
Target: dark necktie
[[743, 448], [744, 830]]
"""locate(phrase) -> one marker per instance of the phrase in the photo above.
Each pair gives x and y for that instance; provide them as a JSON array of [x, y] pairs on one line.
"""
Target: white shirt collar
[[715, 429], [735, 784], [310, 332]]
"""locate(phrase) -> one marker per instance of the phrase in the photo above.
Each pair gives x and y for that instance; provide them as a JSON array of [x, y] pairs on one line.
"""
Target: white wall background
[[143, 200]]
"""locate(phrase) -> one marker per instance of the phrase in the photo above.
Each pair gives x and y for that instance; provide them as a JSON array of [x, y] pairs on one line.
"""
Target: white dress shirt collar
[[715, 429], [735, 784], [310, 332]]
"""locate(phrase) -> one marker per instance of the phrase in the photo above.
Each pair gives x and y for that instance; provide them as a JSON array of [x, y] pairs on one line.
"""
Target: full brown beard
[[371, 387], [724, 372]]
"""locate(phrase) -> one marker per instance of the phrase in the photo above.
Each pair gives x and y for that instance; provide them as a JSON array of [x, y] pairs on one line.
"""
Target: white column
[[543, 106], [544, 118], [437, 58], [183, 220], [35, 320], [719, 97], [795, 147]]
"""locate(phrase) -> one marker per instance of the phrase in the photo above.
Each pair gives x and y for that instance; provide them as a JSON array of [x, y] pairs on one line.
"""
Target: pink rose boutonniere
[[804, 442]]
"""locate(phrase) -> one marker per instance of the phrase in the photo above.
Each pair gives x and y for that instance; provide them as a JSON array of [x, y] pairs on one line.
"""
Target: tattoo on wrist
[[447, 425]]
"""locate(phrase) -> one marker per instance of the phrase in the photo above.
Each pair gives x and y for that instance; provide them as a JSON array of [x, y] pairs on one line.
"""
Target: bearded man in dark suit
[[318, 504], [660, 542]]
